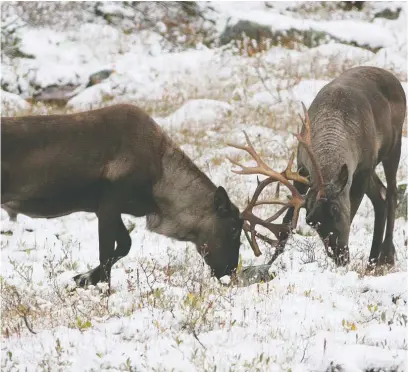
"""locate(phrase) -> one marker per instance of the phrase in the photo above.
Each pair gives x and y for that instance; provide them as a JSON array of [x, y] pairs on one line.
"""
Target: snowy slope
[[166, 313]]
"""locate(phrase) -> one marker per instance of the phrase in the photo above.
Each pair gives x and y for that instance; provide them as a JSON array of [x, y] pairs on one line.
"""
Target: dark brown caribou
[[111, 161], [354, 123]]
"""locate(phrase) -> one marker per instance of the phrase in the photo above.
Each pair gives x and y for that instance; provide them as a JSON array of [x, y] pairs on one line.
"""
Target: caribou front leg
[[107, 232], [376, 193], [108, 227], [123, 244]]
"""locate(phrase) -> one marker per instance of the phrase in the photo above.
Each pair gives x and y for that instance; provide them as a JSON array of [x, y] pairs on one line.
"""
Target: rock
[[288, 38], [252, 30], [351, 5], [56, 94], [99, 76], [255, 274], [288, 33], [310, 38], [388, 13], [61, 94], [12, 104]]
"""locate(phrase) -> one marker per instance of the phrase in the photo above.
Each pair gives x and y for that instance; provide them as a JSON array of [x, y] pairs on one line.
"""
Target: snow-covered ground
[[165, 312]]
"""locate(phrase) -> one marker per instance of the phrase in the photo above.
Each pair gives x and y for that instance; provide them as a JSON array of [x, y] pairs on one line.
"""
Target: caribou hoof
[[341, 258], [341, 261], [370, 269], [387, 253], [92, 277]]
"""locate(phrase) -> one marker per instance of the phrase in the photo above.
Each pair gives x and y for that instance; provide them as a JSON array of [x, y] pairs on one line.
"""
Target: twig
[[23, 314], [28, 325], [196, 337], [263, 81]]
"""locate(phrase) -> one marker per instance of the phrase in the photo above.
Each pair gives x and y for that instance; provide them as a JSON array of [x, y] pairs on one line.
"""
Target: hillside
[[184, 68]]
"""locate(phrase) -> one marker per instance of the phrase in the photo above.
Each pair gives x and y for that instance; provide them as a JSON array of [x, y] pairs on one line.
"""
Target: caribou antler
[[306, 141], [284, 177], [296, 202]]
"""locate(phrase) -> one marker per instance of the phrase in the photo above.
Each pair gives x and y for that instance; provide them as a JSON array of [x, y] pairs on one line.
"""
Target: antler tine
[[236, 163], [249, 227], [296, 206], [261, 185], [249, 216], [277, 214], [294, 176], [261, 166], [305, 139], [264, 169], [296, 203], [277, 190], [251, 239]]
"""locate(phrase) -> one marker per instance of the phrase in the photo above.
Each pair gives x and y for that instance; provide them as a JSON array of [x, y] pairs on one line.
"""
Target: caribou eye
[[334, 210], [235, 229]]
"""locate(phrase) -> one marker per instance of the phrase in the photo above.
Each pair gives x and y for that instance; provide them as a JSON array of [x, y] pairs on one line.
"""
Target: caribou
[[113, 161], [354, 123]]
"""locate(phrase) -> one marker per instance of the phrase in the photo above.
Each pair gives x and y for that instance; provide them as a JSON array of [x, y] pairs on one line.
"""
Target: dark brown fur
[[356, 123], [111, 161]]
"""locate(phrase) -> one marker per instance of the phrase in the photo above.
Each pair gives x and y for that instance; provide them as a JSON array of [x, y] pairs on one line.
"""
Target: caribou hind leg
[[123, 244], [387, 250]]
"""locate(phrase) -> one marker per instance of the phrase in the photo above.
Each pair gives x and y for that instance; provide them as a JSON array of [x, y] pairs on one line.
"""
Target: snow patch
[[197, 115], [389, 59], [305, 91], [12, 104], [91, 97]]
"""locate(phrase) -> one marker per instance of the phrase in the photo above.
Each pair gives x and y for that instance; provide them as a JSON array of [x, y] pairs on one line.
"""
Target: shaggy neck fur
[[332, 144], [184, 196]]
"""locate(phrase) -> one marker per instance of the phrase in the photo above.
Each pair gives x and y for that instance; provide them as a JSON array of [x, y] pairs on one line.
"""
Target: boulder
[[388, 13], [55, 94], [252, 30], [287, 38], [60, 94], [281, 30], [351, 5], [99, 76]]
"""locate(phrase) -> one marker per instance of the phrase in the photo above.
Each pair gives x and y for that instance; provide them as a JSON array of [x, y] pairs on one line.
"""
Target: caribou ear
[[342, 178], [222, 203]]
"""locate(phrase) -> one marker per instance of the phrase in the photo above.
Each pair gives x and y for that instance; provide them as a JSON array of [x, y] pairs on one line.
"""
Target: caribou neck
[[184, 196], [333, 145]]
